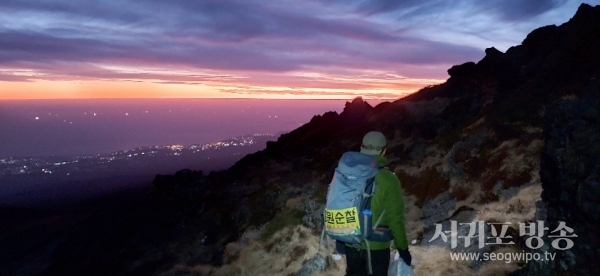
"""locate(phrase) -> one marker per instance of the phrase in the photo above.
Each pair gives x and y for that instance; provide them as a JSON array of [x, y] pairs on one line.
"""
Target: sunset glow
[[251, 49]]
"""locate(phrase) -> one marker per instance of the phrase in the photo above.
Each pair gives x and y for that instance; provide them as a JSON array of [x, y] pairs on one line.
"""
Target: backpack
[[348, 217]]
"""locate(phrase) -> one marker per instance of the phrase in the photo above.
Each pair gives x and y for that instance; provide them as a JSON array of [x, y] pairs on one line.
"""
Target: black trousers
[[357, 262]]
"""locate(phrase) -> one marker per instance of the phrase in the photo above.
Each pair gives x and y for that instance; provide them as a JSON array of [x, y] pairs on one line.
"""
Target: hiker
[[388, 197]]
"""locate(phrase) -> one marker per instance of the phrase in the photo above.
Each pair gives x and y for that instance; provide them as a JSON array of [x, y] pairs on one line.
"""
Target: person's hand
[[405, 255]]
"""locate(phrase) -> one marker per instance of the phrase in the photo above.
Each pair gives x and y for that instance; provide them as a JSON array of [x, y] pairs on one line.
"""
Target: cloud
[[517, 10], [37, 47], [75, 39], [510, 10], [342, 94]]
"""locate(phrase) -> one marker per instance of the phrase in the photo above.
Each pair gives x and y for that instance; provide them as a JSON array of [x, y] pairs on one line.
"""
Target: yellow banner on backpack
[[342, 221]]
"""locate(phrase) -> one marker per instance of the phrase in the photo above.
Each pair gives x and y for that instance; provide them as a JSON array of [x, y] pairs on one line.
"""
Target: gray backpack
[[348, 217]]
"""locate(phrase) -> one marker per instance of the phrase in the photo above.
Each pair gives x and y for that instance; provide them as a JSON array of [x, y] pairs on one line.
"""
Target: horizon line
[[203, 98]]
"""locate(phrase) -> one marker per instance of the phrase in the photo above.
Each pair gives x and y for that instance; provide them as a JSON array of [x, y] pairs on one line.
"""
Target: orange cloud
[[189, 84], [103, 89]]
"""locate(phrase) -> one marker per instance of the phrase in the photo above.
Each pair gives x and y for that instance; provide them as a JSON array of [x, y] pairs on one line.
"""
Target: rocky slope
[[570, 172], [467, 150]]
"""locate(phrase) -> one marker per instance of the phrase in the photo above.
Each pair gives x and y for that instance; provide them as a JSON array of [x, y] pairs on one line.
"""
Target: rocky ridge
[[468, 149]]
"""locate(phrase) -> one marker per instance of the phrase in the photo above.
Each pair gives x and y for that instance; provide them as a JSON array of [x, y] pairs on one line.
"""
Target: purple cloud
[[514, 10], [415, 39]]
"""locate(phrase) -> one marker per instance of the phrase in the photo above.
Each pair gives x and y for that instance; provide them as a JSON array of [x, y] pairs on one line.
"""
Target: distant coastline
[[92, 126], [83, 135], [54, 181]]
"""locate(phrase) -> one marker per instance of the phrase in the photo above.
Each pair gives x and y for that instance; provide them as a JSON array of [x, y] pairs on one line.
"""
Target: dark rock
[[462, 224], [356, 109], [464, 70], [436, 210], [570, 174], [315, 264], [313, 217]]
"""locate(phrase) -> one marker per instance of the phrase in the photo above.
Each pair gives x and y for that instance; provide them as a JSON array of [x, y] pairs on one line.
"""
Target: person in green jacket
[[388, 197]]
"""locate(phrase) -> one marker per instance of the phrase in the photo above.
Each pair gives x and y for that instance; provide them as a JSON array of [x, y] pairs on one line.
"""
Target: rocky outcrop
[[315, 264], [570, 174]]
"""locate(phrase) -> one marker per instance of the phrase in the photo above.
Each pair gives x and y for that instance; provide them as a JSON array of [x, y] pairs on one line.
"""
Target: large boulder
[[570, 174]]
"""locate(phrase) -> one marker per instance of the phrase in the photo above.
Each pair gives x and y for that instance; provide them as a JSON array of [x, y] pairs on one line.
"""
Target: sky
[[284, 49]]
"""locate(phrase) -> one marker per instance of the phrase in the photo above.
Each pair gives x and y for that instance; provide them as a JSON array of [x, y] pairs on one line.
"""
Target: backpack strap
[[369, 265], [376, 224], [367, 194], [373, 186]]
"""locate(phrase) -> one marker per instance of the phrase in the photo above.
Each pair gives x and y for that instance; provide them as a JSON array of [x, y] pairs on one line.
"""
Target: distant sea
[[80, 127]]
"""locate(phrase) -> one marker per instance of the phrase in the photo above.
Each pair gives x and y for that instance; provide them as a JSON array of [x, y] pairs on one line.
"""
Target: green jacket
[[389, 196]]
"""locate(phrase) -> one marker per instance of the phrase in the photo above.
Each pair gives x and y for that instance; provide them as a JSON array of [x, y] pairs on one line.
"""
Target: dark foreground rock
[[570, 173]]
